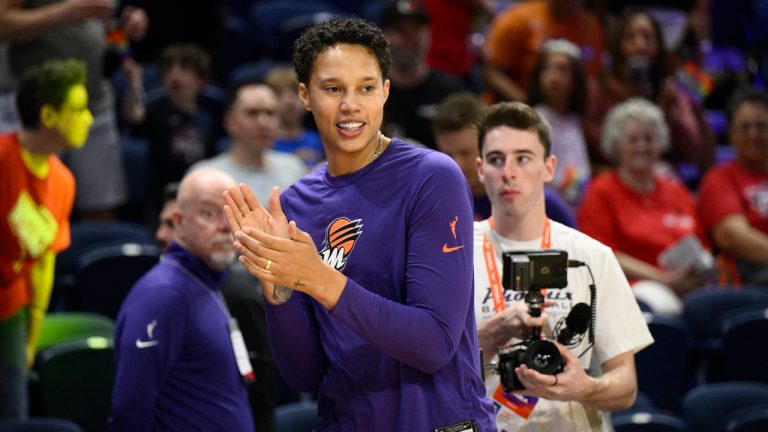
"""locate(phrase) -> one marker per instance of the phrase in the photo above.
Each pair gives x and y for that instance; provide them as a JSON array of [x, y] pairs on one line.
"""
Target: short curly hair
[[353, 31], [46, 84]]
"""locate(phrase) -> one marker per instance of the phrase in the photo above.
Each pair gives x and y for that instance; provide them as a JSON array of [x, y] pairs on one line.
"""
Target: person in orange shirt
[[36, 198], [516, 36]]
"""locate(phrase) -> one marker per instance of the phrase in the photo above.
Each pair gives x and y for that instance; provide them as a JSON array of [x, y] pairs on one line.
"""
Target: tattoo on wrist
[[281, 294]]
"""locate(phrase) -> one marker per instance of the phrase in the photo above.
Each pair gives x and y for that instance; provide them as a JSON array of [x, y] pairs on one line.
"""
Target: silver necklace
[[377, 152]]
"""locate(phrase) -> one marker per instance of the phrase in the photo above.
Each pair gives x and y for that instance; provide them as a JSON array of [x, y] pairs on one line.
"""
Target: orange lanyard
[[493, 272]]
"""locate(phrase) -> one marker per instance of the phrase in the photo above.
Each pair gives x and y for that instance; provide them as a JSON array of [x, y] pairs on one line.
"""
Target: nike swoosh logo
[[140, 344], [447, 249]]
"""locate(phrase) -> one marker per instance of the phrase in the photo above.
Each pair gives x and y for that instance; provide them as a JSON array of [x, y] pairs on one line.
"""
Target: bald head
[[201, 181], [200, 225]]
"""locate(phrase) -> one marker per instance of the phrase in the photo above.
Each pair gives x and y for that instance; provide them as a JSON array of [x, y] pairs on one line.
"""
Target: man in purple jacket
[[380, 322], [175, 342]]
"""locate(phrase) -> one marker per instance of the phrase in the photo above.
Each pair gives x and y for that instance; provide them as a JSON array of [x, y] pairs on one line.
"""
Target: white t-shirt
[[619, 326], [280, 169]]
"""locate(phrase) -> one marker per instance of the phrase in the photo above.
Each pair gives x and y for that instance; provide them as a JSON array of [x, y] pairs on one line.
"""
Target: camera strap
[[492, 249]]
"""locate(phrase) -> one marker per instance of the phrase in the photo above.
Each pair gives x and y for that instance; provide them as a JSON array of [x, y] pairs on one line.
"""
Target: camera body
[[530, 271], [540, 355]]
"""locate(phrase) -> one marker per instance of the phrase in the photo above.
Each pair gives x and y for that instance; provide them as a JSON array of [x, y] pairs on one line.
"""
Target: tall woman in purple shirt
[[369, 286]]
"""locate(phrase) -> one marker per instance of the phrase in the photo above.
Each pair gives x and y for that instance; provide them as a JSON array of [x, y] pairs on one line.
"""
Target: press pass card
[[519, 404], [464, 426]]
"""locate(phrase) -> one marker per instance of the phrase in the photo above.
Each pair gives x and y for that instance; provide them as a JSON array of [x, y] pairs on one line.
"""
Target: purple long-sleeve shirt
[[399, 351]]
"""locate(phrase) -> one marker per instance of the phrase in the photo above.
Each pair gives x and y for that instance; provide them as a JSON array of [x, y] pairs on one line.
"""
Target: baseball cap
[[399, 10]]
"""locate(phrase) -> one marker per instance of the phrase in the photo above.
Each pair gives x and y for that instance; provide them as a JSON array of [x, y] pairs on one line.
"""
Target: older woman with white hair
[[644, 216]]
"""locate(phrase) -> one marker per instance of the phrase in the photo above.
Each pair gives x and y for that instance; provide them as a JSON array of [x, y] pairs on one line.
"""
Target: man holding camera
[[598, 374]]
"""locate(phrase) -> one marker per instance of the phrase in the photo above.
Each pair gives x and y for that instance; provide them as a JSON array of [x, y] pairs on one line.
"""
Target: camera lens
[[544, 357]]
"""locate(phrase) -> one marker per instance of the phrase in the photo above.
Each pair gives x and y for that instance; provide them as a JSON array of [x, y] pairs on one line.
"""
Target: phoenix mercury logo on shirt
[[340, 238]]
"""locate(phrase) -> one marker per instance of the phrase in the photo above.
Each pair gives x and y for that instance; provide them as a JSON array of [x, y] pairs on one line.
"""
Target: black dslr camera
[[530, 271]]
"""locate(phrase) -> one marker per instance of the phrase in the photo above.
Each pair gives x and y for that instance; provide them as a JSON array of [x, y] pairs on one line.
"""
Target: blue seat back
[[750, 419], [296, 417], [707, 406], [744, 348], [663, 368], [649, 421], [702, 308], [277, 24], [38, 424], [107, 275]]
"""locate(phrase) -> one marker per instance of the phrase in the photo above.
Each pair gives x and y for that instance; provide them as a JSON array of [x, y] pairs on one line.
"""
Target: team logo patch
[[340, 238]]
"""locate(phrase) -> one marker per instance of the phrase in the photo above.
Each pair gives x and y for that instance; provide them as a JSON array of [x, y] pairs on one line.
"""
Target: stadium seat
[[702, 308], [107, 274], [38, 424], [135, 156], [644, 306], [649, 421], [704, 311], [663, 367], [750, 419], [707, 407], [86, 236], [93, 234], [75, 381], [234, 46], [252, 71], [276, 24], [744, 349], [296, 417], [64, 326], [643, 403]]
